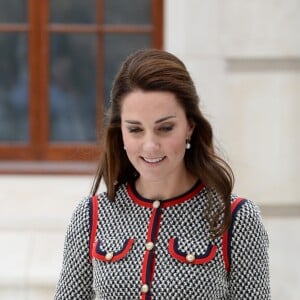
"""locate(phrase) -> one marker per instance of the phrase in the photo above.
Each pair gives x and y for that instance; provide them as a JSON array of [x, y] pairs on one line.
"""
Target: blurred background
[[57, 62]]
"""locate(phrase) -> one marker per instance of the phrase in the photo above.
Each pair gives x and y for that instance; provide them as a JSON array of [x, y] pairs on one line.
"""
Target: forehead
[[153, 104]]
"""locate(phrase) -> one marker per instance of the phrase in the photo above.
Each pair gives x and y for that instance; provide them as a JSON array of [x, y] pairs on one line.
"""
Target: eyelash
[[162, 129], [134, 129], [166, 128]]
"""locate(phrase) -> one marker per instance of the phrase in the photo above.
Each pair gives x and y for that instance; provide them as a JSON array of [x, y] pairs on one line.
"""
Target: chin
[[152, 178]]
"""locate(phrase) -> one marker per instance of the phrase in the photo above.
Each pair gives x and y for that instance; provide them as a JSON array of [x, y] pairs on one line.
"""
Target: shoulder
[[82, 208], [85, 206], [244, 209], [247, 220], [81, 217], [248, 253]]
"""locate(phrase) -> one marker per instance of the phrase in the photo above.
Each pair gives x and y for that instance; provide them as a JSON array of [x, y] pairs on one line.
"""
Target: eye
[[134, 129], [166, 128]]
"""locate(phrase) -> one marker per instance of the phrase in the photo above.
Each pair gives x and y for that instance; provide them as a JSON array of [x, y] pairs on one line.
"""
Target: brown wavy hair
[[157, 70]]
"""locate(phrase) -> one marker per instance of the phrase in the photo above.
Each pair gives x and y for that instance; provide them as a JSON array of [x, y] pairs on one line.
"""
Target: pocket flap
[[108, 256], [191, 258]]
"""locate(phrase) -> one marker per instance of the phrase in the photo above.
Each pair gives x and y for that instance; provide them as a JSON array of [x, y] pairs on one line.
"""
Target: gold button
[[190, 257], [109, 255], [149, 246], [156, 204], [145, 288]]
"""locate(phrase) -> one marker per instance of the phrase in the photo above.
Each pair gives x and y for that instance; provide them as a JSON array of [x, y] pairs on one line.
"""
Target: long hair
[[157, 70]]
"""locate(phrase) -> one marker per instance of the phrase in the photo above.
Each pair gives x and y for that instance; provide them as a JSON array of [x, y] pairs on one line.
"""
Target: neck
[[165, 189]]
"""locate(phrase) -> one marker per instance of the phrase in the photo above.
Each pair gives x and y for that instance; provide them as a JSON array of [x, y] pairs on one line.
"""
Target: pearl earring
[[188, 144]]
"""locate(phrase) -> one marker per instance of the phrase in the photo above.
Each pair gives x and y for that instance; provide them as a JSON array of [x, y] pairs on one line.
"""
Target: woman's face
[[154, 129]]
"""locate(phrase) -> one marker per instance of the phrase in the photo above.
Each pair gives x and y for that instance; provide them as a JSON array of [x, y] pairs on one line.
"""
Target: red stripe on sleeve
[[94, 223], [225, 241]]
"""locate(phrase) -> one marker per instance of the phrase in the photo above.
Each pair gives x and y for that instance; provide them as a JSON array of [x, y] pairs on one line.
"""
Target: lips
[[153, 160]]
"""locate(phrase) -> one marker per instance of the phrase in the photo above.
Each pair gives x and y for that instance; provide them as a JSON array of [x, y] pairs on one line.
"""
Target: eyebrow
[[156, 122]]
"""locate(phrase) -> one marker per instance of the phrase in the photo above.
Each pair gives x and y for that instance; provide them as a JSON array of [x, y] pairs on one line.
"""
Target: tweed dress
[[137, 248]]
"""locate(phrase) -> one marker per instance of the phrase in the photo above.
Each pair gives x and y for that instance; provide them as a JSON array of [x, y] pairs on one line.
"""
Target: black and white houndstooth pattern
[[124, 219]]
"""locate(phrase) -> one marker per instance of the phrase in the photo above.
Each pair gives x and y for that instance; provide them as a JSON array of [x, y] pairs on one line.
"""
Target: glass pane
[[72, 89], [117, 48], [73, 11], [127, 12], [13, 87], [13, 11]]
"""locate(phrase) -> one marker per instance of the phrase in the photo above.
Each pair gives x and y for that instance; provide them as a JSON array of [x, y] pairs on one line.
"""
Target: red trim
[[225, 243], [143, 296], [158, 227], [124, 252], [151, 225], [117, 257], [197, 261], [235, 203], [146, 261], [94, 223], [183, 198], [136, 199], [144, 267], [153, 267], [165, 203], [207, 259], [149, 258], [173, 252], [225, 250]]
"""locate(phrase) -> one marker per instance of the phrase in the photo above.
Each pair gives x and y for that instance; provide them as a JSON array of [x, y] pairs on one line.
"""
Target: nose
[[151, 143]]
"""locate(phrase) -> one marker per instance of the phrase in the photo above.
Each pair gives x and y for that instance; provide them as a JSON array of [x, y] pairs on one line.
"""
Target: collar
[[138, 199]]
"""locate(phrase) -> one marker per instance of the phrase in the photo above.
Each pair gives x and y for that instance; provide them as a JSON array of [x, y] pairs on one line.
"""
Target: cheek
[[130, 143], [176, 145]]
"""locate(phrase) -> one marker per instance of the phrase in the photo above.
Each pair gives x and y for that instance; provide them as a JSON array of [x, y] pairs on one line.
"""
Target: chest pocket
[[101, 250], [190, 256], [111, 256]]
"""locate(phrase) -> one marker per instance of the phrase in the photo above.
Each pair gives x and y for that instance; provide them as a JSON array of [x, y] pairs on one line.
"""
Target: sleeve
[[249, 269], [76, 278]]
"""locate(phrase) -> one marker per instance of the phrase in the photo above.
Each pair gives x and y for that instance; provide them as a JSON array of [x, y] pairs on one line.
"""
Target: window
[[57, 60]]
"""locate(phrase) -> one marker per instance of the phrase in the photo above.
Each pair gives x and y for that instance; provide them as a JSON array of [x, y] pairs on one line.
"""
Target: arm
[[76, 277], [249, 273]]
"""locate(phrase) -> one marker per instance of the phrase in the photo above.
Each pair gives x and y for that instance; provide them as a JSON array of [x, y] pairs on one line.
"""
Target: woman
[[168, 226]]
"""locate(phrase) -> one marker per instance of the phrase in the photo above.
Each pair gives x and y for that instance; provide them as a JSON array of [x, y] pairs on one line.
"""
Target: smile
[[153, 160]]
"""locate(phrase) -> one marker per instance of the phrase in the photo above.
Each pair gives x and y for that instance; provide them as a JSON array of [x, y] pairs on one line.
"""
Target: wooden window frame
[[39, 156]]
